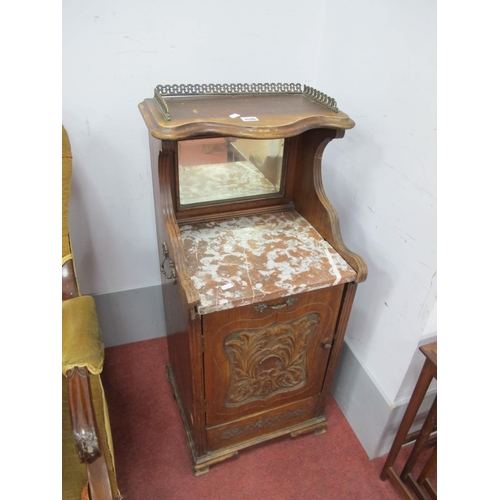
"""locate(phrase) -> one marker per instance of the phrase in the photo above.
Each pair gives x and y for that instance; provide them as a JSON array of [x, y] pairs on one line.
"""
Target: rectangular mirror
[[228, 168]]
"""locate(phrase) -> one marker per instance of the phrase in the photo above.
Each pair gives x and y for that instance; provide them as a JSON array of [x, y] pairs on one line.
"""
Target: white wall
[[376, 58], [379, 61], [114, 54]]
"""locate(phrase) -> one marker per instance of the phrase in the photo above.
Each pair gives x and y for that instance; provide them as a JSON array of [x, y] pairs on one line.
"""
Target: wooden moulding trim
[[160, 128], [82, 416], [354, 260], [238, 213], [176, 250]]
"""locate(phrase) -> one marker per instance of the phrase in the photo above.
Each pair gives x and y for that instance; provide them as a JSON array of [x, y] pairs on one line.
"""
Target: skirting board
[[130, 315], [372, 418]]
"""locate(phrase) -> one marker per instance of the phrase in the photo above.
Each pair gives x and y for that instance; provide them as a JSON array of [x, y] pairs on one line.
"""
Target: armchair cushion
[[81, 343]]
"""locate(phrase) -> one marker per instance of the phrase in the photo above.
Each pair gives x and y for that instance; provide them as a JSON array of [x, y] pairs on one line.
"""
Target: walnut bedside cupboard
[[257, 282]]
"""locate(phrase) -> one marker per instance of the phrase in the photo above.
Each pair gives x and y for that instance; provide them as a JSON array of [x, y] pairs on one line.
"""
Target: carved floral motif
[[270, 360]]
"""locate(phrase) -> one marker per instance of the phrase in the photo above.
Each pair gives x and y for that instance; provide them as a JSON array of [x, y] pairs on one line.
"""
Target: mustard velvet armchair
[[88, 470]]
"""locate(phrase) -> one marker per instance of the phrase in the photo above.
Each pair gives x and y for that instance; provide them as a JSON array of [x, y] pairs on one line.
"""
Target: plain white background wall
[[379, 61], [114, 54], [376, 59]]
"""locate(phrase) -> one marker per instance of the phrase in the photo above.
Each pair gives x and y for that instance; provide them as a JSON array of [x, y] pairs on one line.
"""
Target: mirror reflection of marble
[[228, 168]]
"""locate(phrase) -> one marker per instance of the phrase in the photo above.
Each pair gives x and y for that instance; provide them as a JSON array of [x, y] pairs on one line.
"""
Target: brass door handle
[[288, 302], [326, 344], [172, 276]]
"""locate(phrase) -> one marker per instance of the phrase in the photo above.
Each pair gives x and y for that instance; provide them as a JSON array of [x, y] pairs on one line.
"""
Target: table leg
[[420, 443]]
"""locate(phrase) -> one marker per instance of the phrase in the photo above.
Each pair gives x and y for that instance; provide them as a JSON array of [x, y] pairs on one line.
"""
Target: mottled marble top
[[252, 259], [222, 181]]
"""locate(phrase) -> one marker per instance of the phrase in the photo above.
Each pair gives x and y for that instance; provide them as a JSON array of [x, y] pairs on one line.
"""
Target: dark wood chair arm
[[82, 415], [69, 284]]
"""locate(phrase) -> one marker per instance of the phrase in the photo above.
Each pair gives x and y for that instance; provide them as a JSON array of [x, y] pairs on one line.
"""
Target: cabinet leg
[[318, 432], [203, 464], [200, 471], [318, 428]]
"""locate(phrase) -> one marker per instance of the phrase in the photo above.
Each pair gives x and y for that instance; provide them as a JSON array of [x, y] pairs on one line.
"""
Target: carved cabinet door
[[266, 355]]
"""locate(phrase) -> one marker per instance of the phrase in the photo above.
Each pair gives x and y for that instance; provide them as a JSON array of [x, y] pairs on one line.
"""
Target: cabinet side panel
[[178, 311], [340, 328], [155, 149], [309, 196], [185, 358], [177, 324]]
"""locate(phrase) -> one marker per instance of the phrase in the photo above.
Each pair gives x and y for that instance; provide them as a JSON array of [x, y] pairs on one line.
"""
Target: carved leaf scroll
[[267, 361]]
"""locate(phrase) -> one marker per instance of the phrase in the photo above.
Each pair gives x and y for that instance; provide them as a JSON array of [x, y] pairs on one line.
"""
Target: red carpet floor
[[153, 461]]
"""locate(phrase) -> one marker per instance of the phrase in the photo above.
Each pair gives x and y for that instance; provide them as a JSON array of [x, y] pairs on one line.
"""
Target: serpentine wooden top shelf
[[259, 115]]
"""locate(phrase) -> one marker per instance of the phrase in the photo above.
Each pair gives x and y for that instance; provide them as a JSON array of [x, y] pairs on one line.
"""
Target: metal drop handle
[[288, 302], [172, 276]]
